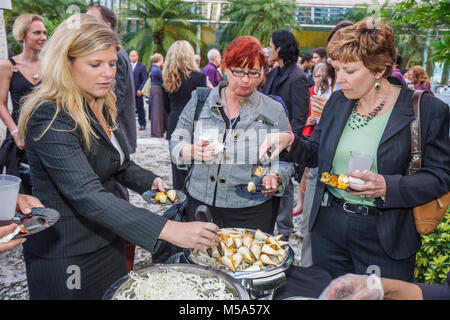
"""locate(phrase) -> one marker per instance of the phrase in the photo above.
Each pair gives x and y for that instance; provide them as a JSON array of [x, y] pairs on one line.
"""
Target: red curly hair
[[244, 51]]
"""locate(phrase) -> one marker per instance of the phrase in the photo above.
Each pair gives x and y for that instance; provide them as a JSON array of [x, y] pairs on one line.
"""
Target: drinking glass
[[9, 190], [359, 161]]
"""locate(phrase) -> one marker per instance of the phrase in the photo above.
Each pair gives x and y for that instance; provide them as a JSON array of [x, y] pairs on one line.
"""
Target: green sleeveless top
[[364, 139]]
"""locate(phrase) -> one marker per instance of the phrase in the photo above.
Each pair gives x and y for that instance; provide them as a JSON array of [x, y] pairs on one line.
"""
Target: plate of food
[[341, 181], [38, 220], [244, 251], [167, 198]]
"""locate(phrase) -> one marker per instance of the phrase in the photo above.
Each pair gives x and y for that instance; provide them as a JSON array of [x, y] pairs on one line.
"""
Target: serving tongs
[[202, 213]]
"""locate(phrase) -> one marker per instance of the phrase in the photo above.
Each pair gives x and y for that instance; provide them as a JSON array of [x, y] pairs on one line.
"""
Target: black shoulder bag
[[167, 252]]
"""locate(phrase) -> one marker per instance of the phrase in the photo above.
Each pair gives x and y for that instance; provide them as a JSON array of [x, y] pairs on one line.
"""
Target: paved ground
[[152, 154]]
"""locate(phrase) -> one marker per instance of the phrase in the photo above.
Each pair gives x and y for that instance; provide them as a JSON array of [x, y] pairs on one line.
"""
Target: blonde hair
[[23, 23], [373, 45], [156, 57], [180, 62], [78, 36]]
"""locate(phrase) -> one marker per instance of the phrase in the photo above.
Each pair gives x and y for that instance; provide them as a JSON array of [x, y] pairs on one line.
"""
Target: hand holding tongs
[[202, 213]]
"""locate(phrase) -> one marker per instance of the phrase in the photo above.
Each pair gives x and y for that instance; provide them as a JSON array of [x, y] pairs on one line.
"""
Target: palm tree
[[165, 21], [259, 18]]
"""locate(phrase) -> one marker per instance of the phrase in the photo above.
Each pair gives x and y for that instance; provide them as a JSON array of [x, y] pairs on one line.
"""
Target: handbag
[[429, 215], [146, 88], [167, 252]]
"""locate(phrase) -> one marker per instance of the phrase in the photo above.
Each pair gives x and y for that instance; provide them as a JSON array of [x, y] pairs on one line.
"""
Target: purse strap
[[202, 95], [416, 146]]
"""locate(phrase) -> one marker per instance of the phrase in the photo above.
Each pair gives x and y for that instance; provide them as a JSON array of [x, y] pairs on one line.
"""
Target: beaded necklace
[[357, 120]]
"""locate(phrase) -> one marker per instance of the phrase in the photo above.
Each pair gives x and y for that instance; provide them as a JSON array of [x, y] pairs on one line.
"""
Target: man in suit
[[139, 76], [124, 88], [289, 82], [125, 104]]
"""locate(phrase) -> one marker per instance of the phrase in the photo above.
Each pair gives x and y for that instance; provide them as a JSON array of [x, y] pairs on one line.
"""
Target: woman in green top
[[370, 227]]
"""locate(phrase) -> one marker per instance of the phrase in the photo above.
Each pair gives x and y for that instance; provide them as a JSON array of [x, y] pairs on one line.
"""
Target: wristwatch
[[278, 177]]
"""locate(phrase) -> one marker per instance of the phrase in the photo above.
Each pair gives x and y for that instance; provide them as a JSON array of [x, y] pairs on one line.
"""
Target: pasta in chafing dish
[[174, 285]]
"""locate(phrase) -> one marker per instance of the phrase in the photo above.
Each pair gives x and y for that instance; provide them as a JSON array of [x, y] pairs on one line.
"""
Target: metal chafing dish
[[259, 284], [232, 285]]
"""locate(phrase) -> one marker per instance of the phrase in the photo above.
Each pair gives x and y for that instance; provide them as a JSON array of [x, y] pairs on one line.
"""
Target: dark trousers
[[140, 111], [344, 242]]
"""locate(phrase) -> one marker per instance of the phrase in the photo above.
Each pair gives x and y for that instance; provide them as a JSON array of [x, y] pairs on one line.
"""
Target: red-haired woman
[[420, 79], [226, 136]]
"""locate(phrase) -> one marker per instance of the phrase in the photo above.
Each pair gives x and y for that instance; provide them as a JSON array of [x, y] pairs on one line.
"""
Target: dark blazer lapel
[[120, 138], [402, 114], [96, 125], [286, 74], [269, 81], [338, 125]]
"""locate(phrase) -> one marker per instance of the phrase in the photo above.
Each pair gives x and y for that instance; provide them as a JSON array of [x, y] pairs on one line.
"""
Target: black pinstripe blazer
[[79, 183], [396, 228]]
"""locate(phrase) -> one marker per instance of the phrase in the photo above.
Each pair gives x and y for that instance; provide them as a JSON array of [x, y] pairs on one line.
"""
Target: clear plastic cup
[[9, 190], [359, 162]]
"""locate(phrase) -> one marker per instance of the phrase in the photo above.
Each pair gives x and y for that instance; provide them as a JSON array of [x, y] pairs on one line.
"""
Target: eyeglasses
[[241, 74]]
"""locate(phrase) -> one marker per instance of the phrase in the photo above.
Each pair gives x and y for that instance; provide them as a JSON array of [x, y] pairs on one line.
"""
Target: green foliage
[[164, 22], [413, 22], [433, 258], [53, 12], [259, 18], [426, 18]]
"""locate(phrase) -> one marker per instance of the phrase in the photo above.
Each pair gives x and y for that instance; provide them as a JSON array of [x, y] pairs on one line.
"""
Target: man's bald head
[[134, 56]]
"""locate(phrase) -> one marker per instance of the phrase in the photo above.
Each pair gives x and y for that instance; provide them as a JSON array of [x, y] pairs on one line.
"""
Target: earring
[[377, 85]]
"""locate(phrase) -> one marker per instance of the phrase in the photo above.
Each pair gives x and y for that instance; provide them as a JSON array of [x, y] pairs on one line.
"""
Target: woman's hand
[[270, 184], [374, 187], [274, 143], [203, 151], [26, 202], [159, 184], [200, 151], [311, 121], [318, 103], [4, 231], [198, 235], [16, 140]]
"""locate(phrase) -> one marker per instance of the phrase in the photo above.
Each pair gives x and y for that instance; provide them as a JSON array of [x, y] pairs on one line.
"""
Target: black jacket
[[293, 88], [174, 102], [395, 227], [79, 184], [126, 101]]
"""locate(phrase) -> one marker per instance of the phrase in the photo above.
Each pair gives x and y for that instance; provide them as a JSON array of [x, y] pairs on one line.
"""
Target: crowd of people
[[75, 101]]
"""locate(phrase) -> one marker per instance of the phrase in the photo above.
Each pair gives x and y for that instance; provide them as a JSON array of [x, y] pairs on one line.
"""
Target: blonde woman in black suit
[[76, 155]]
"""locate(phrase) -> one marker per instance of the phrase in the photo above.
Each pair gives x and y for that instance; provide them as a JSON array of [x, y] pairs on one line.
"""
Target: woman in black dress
[[181, 76], [19, 75]]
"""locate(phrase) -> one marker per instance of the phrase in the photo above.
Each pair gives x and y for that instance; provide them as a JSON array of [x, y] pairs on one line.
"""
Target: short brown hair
[[108, 15], [373, 44], [23, 23]]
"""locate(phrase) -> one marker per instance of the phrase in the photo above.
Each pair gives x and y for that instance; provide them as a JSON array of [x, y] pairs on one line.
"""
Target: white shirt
[[117, 146], [133, 65]]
